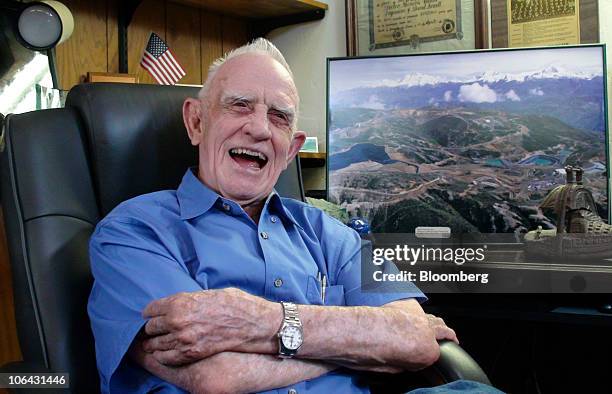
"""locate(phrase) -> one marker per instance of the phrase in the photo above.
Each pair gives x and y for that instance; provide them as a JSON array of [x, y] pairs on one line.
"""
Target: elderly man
[[218, 286]]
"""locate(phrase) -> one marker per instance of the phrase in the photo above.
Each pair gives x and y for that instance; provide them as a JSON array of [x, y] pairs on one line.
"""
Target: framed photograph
[[311, 145], [527, 23], [471, 140], [392, 27]]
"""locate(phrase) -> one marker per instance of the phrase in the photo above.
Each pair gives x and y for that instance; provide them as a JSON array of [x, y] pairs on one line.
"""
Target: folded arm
[[231, 372], [397, 335], [191, 326]]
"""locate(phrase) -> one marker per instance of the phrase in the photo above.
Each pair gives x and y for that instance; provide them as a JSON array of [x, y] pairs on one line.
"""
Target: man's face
[[245, 134]]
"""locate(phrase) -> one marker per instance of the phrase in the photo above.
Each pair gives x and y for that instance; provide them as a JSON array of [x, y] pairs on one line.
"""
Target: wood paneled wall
[[9, 347], [196, 37]]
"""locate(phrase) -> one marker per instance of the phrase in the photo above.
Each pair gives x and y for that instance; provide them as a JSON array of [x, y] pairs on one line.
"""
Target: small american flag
[[159, 62]]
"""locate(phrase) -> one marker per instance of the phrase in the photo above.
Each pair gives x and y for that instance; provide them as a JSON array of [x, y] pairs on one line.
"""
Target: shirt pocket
[[334, 295]]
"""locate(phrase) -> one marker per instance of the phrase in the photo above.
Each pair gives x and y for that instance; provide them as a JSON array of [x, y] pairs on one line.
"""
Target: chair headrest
[[138, 142]]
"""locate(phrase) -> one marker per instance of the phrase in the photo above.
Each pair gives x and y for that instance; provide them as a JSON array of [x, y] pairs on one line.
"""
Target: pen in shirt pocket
[[322, 278], [323, 287]]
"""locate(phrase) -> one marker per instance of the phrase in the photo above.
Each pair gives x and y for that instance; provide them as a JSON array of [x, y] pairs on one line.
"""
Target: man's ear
[[192, 111], [299, 137]]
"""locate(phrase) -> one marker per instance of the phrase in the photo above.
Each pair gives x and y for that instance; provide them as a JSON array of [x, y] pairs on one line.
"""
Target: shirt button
[[292, 391], [273, 219], [226, 207], [264, 235], [278, 282]]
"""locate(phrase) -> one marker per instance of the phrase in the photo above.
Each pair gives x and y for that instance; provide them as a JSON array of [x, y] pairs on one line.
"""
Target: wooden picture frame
[[588, 20], [475, 38], [111, 77]]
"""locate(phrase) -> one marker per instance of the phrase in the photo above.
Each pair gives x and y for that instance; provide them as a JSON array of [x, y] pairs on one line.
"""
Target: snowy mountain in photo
[[573, 97], [420, 79]]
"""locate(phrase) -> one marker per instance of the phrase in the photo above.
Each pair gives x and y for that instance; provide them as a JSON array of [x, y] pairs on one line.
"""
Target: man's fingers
[[157, 326], [441, 330], [171, 357], [159, 343], [444, 332], [436, 321], [156, 308], [454, 337]]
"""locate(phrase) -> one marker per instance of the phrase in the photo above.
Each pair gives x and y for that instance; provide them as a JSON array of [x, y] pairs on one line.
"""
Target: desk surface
[[550, 308], [516, 276]]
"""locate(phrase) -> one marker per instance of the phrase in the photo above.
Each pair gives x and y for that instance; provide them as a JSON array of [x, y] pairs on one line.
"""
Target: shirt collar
[[275, 204], [195, 199]]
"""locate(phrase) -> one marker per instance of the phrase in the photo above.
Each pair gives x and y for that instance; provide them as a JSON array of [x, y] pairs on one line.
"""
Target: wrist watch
[[290, 336]]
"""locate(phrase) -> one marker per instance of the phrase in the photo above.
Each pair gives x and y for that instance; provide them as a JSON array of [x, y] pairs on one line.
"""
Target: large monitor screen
[[469, 140]]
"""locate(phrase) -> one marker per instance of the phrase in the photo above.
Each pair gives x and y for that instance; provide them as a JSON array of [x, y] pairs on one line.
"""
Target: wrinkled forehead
[[257, 77]]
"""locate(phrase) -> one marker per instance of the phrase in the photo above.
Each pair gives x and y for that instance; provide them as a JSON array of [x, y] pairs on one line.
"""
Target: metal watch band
[[290, 312], [290, 319]]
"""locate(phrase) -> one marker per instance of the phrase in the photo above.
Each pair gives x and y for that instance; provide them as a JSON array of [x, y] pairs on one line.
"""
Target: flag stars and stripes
[[159, 61]]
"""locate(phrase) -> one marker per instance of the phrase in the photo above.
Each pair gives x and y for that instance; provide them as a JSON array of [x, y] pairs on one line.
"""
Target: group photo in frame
[[388, 27], [526, 23]]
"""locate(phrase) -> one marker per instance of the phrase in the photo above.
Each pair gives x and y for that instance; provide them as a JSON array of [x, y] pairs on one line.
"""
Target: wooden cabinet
[[258, 9], [110, 35]]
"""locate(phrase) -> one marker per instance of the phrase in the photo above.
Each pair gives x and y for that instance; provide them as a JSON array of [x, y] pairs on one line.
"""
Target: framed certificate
[[390, 27]]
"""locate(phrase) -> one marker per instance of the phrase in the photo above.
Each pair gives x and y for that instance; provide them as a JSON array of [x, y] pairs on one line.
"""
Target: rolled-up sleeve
[[131, 268]]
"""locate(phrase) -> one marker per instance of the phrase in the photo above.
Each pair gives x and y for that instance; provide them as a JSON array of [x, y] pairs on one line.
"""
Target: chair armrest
[[27, 367], [454, 364], [23, 367]]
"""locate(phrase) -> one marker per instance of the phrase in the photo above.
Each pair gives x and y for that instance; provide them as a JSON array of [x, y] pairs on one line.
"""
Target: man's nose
[[259, 126]]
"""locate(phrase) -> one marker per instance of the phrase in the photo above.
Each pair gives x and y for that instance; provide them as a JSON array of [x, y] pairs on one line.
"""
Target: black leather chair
[[64, 169]]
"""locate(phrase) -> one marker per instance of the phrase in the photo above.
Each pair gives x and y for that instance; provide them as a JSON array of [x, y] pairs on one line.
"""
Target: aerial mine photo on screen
[[469, 141]]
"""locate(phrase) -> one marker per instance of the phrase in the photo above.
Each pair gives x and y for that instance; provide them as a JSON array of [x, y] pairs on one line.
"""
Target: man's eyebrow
[[233, 97], [288, 111]]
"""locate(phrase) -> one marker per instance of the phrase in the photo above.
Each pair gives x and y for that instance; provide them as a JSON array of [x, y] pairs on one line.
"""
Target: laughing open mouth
[[248, 158]]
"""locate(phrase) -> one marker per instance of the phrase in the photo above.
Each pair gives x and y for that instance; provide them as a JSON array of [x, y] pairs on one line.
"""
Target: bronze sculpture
[[581, 234]]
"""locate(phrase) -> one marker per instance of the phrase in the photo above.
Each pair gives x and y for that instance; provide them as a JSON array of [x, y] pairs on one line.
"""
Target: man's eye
[[280, 116], [241, 104]]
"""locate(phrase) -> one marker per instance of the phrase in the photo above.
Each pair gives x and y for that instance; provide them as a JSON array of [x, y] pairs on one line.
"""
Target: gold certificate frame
[[390, 27]]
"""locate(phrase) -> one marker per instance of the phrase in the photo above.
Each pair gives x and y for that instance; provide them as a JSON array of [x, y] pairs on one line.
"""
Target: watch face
[[292, 337]]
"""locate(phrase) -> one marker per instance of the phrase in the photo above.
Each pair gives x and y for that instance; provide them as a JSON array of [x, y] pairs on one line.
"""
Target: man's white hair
[[259, 45]]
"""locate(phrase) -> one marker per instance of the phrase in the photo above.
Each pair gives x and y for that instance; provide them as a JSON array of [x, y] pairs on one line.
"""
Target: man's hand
[[184, 377], [441, 330], [230, 372], [187, 327]]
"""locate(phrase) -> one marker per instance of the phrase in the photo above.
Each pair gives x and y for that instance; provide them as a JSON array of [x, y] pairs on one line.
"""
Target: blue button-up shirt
[[192, 239]]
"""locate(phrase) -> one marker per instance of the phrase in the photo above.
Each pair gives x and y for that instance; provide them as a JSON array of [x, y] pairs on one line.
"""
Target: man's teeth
[[242, 151]]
